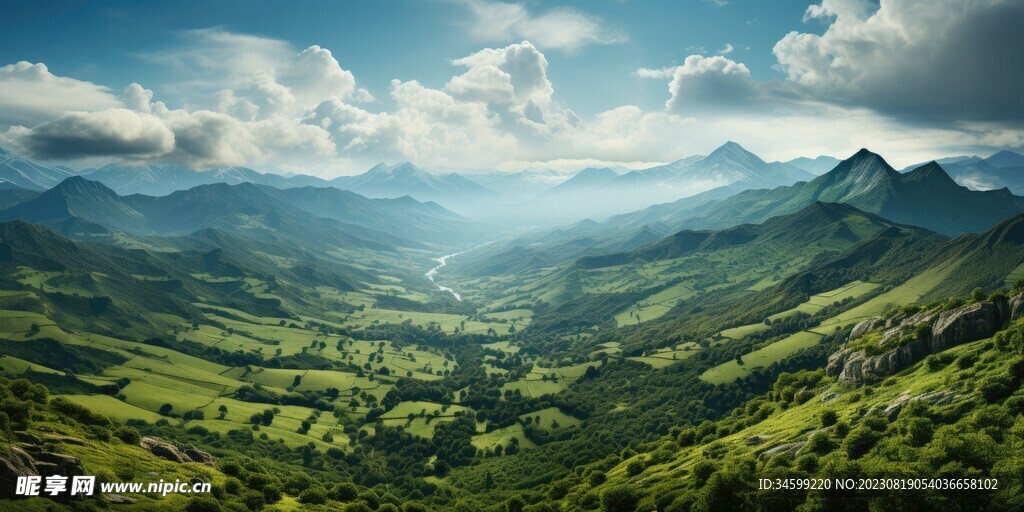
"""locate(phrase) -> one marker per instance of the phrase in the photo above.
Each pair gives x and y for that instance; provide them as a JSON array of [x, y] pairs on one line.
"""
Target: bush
[[996, 388], [635, 467], [358, 507], [313, 496], [703, 470], [860, 441], [344, 492], [621, 498], [829, 418], [202, 504], [128, 434]]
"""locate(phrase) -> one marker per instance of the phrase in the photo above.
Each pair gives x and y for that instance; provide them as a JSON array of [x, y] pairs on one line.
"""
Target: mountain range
[[925, 197], [1004, 169], [249, 210]]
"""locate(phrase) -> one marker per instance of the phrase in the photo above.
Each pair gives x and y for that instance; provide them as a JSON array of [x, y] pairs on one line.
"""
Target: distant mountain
[[604, 195], [243, 209], [521, 185], [586, 181], [1004, 169], [11, 195], [1006, 159], [816, 166], [405, 179], [29, 175], [925, 197], [403, 216], [160, 180]]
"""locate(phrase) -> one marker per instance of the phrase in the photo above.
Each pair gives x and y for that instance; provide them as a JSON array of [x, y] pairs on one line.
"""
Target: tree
[[165, 409], [621, 498], [829, 418], [313, 496], [344, 492], [223, 410]]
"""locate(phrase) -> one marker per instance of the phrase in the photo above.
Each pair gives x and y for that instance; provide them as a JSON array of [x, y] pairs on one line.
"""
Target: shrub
[[703, 470], [313, 496], [127, 434], [202, 504], [635, 467], [344, 492], [860, 441], [829, 418], [621, 498]]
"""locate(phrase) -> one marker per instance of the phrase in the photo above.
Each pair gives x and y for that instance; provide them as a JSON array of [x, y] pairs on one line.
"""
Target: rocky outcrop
[[25, 459], [16, 462], [961, 325], [168, 451], [163, 449], [201, 457], [782, 448], [856, 367], [940, 397], [969, 323]]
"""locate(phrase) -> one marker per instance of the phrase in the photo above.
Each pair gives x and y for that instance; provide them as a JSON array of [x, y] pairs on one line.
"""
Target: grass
[[728, 372], [502, 437], [547, 416]]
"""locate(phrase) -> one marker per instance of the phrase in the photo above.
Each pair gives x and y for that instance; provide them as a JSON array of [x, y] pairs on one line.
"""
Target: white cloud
[[518, 68], [114, 132], [727, 49], [715, 84], [31, 94], [561, 28], [659, 73], [931, 60]]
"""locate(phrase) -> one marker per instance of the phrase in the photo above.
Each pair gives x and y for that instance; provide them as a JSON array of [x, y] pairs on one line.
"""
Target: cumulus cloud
[[932, 60], [727, 49], [263, 72], [557, 29], [519, 69], [114, 132], [30, 94], [710, 83]]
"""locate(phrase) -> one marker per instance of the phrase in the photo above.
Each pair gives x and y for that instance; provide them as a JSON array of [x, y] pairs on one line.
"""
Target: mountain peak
[[1006, 158]]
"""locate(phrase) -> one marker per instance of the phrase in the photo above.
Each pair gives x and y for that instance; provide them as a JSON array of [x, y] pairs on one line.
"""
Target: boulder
[[859, 368], [1016, 306], [782, 448], [16, 462], [201, 457], [969, 323], [163, 449], [865, 326], [961, 325], [939, 397]]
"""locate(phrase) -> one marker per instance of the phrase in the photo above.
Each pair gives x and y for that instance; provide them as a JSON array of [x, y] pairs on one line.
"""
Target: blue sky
[[378, 41], [484, 83]]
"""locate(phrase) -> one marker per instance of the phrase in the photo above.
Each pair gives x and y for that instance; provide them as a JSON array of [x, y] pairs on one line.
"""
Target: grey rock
[[163, 449], [783, 448], [13, 464], [969, 323], [201, 457], [119, 499], [865, 326], [1016, 306], [939, 397]]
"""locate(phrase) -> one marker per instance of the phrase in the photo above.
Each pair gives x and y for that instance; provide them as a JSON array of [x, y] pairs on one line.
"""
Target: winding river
[[442, 261]]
